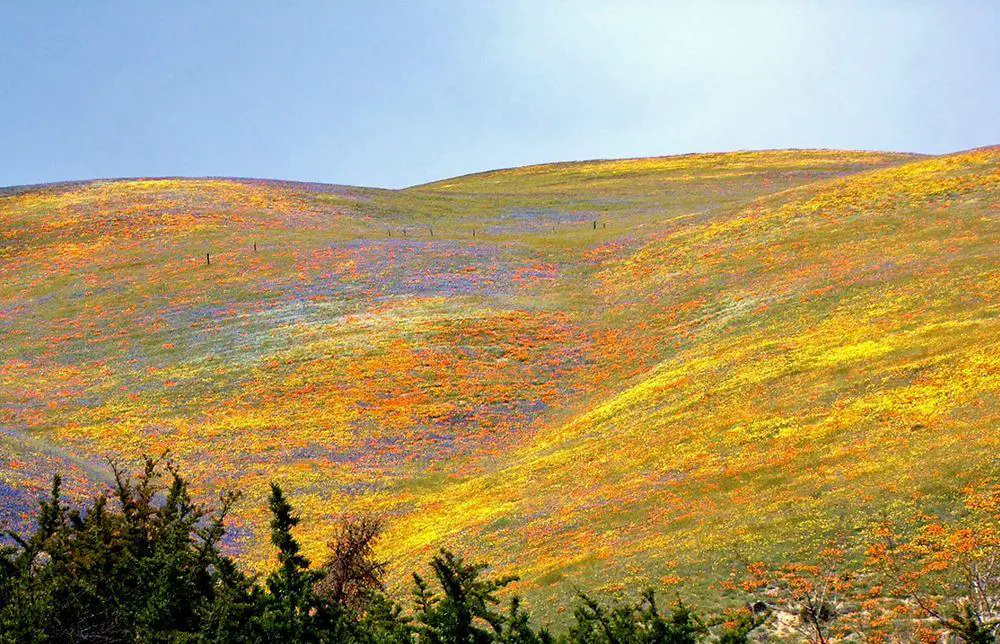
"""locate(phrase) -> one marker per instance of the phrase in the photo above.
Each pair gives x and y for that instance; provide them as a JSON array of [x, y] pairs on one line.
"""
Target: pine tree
[[139, 568], [460, 615], [294, 612], [641, 622]]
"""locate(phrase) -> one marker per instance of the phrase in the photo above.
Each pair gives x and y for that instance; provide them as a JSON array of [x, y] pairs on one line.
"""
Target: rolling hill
[[600, 373]]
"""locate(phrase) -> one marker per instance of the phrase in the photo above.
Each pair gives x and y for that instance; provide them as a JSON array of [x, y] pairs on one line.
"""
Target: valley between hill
[[598, 374]]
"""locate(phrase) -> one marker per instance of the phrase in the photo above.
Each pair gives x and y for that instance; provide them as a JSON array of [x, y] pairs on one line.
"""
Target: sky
[[393, 94]]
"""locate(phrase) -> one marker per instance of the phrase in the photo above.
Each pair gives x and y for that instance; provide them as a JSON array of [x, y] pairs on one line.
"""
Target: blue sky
[[396, 93]]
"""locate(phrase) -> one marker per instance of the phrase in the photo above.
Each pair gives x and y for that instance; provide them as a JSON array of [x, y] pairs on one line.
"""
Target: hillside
[[594, 373]]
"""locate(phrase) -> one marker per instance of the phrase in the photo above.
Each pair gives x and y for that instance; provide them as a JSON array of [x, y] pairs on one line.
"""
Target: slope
[[834, 352], [546, 365]]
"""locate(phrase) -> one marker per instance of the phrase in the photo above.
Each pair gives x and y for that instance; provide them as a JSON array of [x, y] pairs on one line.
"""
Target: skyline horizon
[[78, 181]]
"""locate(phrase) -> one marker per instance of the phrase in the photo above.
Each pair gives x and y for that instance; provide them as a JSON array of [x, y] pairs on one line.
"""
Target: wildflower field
[[598, 374]]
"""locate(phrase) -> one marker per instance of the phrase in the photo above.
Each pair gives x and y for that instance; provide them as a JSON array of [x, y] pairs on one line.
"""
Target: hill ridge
[[555, 164]]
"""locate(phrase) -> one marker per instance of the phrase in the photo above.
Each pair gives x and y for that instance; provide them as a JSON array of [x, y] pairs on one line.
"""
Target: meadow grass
[[749, 352]]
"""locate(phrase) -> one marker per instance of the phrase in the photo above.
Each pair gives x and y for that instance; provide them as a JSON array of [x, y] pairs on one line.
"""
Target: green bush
[[144, 564]]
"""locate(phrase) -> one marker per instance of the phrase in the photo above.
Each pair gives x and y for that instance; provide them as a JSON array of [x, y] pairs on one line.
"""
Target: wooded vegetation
[[146, 563]]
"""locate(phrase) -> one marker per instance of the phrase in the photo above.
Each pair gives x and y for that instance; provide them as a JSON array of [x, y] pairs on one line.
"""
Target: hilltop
[[599, 373]]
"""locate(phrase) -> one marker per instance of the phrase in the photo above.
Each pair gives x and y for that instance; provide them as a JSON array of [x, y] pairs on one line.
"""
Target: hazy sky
[[396, 93]]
